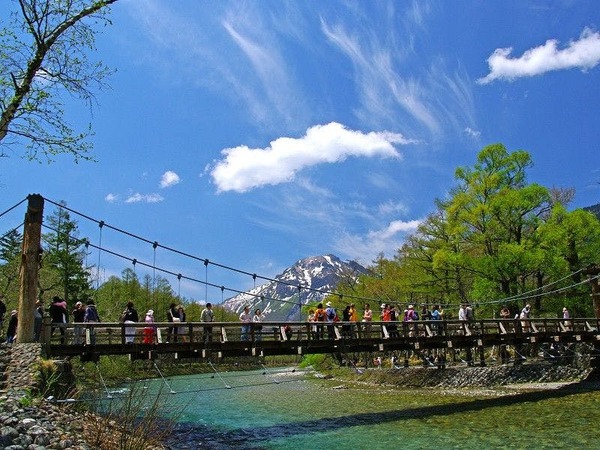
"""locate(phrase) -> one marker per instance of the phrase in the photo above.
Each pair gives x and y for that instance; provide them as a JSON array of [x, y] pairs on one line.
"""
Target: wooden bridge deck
[[226, 339]]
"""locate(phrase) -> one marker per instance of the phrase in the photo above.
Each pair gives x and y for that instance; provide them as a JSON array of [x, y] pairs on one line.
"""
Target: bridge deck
[[220, 339]]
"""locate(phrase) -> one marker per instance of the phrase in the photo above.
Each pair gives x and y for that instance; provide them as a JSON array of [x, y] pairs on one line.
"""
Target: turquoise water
[[279, 409]]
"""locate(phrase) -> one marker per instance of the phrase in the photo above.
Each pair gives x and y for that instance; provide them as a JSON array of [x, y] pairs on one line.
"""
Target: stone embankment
[[462, 377], [27, 423]]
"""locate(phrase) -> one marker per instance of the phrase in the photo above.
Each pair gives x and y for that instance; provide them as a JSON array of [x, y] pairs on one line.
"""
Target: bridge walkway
[[199, 340]]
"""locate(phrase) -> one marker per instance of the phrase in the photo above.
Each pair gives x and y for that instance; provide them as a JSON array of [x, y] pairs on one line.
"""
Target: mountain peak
[[308, 280]]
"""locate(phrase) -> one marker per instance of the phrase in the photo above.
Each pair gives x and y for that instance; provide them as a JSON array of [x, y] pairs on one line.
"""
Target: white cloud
[[472, 133], [111, 198], [243, 168], [168, 179], [366, 248], [583, 53], [145, 198]]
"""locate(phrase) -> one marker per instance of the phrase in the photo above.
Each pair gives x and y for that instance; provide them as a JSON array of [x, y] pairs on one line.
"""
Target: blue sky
[[256, 133]]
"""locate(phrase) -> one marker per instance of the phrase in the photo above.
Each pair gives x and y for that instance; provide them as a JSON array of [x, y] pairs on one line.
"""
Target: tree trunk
[[30, 263]]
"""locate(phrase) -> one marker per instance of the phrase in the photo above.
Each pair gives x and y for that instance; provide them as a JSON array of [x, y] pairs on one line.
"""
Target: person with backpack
[[320, 316], [91, 316], [331, 318]]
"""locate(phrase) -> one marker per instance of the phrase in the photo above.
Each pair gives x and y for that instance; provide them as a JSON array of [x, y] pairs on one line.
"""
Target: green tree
[[10, 259], [64, 258], [43, 53]]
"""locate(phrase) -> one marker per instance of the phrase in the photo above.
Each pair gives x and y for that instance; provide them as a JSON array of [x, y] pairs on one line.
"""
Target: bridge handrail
[[190, 332]]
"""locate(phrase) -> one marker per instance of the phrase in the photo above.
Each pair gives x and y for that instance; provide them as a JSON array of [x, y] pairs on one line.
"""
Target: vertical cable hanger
[[206, 263], [101, 226], [154, 245]]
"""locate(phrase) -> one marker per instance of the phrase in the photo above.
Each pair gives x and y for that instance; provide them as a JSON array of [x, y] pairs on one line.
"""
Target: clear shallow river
[[280, 409]]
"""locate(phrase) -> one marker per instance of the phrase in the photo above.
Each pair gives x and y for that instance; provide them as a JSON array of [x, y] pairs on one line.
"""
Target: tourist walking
[[257, 321], [91, 316], [129, 316], [246, 319], [150, 328], [320, 318], [207, 315], [78, 314], [38, 318], [181, 329], [171, 316], [566, 319], [58, 316]]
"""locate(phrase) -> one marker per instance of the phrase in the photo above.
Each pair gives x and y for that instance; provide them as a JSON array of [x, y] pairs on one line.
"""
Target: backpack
[[330, 313]]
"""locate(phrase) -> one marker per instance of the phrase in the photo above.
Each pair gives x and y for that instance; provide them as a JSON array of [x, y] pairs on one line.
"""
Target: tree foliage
[[495, 238], [43, 54]]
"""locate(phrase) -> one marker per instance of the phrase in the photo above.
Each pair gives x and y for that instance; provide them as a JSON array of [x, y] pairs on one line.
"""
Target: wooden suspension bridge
[[215, 340]]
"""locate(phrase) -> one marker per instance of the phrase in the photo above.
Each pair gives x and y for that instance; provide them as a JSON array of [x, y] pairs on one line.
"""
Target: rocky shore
[[33, 424]]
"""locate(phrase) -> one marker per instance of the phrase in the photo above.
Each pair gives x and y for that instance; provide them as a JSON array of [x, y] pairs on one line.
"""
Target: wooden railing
[[234, 338]]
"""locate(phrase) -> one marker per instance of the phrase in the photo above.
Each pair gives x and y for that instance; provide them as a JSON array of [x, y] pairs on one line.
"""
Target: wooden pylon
[[31, 252]]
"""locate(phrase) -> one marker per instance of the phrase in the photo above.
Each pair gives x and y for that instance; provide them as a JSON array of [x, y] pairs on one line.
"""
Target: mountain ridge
[[281, 298]]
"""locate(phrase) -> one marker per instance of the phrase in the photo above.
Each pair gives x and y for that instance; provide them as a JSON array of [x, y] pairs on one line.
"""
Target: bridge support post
[[30, 263]]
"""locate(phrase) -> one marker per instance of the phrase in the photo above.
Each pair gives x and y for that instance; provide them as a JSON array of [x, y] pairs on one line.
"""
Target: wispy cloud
[[168, 179], [366, 247], [243, 168], [394, 84], [583, 54], [144, 198], [111, 198], [472, 133]]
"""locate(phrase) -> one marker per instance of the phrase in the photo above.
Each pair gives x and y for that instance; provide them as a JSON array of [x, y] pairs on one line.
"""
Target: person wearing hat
[[11, 330], [78, 314], [331, 317], [149, 329]]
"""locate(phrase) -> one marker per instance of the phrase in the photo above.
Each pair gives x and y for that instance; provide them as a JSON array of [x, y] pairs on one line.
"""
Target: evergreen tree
[[63, 261], [10, 259]]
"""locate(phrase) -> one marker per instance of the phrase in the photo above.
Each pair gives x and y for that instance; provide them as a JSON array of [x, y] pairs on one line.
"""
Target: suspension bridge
[[226, 339], [216, 340]]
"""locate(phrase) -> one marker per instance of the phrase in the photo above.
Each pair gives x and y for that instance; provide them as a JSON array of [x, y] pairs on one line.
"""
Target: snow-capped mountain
[[281, 299]]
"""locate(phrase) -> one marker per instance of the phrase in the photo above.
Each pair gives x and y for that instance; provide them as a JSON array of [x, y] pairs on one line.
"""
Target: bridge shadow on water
[[252, 437]]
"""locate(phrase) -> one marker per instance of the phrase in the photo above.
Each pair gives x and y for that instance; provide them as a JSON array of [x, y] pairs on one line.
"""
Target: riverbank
[[28, 422], [538, 374]]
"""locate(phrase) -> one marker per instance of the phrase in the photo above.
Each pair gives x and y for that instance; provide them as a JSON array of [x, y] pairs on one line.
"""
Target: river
[[290, 409]]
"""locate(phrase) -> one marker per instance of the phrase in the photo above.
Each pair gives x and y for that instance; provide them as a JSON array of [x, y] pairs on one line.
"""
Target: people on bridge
[[38, 318], [171, 316], [91, 316], [346, 318], [78, 314], [331, 318], [367, 318], [566, 319], [462, 312], [207, 315], [11, 329], [149, 329], [469, 313], [58, 315], [130, 315], [246, 319], [181, 330], [320, 318], [353, 313], [524, 317], [257, 321]]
